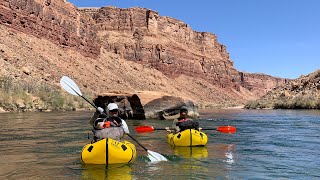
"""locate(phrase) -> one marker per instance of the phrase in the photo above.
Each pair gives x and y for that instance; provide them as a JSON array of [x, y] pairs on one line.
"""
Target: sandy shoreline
[[234, 107]]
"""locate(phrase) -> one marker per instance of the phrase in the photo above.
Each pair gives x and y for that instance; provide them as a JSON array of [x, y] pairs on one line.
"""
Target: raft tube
[[189, 137], [108, 151]]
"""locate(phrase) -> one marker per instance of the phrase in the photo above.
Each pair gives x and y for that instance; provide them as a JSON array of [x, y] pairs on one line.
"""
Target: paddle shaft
[[137, 142], [89, 102], [153, 155], [223, 129], [173, 129]]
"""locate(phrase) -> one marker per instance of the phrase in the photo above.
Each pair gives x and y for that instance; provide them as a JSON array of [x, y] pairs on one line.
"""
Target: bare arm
[[174, 125], [93, 117]]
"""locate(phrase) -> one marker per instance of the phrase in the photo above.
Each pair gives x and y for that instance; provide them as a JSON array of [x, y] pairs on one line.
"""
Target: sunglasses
[[114, 110]]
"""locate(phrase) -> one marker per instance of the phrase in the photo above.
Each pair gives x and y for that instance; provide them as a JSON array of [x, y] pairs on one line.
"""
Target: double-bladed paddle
[[71, 87], [223, 129]]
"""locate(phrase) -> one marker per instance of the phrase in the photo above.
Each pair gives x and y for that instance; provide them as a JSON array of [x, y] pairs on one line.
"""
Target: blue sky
[[276, 37]]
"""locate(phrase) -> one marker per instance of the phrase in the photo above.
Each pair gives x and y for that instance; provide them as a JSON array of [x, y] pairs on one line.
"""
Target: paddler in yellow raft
[[108, 127], [186, 132], [108, 146]]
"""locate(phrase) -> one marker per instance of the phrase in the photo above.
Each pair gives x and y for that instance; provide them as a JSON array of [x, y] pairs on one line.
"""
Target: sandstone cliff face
[[260, 84], [55, 20], [164, 43], [121, 50], [172, 47]]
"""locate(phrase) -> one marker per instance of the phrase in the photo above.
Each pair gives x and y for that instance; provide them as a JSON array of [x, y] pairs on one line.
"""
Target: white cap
[[112, 106]]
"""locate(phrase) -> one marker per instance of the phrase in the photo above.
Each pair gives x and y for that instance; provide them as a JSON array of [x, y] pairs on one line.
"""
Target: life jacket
[[115, 133], [187, 124], [101, 123], [107, 128], [183, 120]]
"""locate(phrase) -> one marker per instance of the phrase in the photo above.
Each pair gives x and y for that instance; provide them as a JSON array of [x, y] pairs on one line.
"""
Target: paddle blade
[[144, 129], [227, 129], [70, 86], [155, 157]]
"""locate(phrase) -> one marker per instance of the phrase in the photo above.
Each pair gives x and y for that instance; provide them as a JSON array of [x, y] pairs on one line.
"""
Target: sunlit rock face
[[133, 49], [55, 20], [172, 47]]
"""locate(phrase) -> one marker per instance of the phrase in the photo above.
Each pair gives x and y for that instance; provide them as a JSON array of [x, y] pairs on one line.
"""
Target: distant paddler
[[183, 122]]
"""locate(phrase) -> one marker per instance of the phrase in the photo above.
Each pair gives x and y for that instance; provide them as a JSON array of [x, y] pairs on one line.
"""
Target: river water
[[268, 144]]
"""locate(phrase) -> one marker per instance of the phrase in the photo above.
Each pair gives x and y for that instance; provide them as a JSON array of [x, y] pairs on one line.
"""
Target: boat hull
[[108, 151], [189, 137]]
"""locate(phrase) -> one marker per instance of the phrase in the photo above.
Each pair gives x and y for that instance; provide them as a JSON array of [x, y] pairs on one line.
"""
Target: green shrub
[[298, 102], [251, 105], [256, 104]]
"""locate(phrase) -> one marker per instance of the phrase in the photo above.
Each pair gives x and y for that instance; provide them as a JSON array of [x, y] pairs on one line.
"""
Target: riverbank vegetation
[[35, 96], [297, 102]]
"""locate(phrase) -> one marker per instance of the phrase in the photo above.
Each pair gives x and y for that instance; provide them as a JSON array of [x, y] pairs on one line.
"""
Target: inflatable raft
[[108, 151], [189, 137]]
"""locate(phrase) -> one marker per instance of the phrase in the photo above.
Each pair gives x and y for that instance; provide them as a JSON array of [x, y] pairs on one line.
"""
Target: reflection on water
[[121, 171], [270, 144], [191, 152]]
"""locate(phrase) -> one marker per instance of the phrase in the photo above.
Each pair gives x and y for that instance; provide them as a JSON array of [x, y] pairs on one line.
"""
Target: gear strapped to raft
[[108, 128], [187, 124], [101, 123]]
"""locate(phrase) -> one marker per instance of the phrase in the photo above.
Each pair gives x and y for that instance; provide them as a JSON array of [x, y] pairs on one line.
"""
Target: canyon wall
[[172, 47], [135, 47], [55, 20], [164, 43], [260, 84]]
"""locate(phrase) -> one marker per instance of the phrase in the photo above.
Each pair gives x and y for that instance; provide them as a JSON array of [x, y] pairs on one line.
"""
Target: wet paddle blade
[[155, 157], [227, 129], [144, 129], [70, 86]]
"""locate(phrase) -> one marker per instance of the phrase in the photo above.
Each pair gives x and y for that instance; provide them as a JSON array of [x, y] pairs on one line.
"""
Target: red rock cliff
[[260, 84], [172, 47], [137, 35], [164, 43], [55, 20]]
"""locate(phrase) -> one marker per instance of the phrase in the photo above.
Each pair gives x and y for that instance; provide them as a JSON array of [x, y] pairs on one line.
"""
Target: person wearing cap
[[110, 125], [113, 111], [183, 122]]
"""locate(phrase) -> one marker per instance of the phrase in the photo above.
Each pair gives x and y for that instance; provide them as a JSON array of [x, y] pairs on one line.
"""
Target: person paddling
[[183, 122], [111, 126]]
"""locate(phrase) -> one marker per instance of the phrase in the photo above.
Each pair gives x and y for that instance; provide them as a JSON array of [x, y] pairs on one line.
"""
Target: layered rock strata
[[260, 84], [164, 43], [55, 20], [172, 47], [132, 49]]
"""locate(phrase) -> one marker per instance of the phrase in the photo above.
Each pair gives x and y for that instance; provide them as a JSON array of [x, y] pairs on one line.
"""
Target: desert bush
[[6, 83], [251, 105], [256, 104], [298, 102], [51, 97]]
